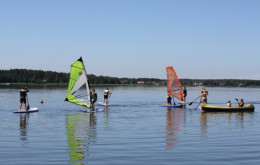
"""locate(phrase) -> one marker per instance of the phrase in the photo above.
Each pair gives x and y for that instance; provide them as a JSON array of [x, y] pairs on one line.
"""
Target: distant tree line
[[43, 77], [32, 76], [220, 82]]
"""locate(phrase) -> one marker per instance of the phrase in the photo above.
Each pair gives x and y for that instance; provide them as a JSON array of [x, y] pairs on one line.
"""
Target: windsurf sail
[[173, 83], [78, 78]]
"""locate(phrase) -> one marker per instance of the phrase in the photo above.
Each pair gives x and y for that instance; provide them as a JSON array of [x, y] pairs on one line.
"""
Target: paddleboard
[[29, 111], [182, 103], [172, 106], [101, 104], [99, 109], [256, 102]]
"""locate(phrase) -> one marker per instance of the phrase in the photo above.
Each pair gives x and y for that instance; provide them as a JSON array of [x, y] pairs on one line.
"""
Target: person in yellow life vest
[[106, 94]]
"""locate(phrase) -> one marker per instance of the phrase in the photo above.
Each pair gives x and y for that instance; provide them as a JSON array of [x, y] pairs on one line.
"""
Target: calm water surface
[[133, 130]]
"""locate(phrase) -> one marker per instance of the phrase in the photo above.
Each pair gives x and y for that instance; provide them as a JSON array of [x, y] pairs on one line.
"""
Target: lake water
[[133, 130]]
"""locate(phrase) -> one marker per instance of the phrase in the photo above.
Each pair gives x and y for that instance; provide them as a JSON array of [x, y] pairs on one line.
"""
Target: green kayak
[[212, 108]]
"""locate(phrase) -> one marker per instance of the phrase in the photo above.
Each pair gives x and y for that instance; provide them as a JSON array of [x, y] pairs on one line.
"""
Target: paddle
[[110, 93], [28, 106], [194, 100], [197, 105], [237, 100]]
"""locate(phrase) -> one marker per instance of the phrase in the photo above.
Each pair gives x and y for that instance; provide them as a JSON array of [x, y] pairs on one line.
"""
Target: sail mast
[[87, 85]]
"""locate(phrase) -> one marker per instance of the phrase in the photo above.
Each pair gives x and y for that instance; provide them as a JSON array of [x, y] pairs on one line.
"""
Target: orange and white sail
[[173, 84]]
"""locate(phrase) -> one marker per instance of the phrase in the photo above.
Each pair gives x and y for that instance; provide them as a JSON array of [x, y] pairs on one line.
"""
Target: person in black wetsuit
[[93, 99], [184, 91], [169, 99], [23, 94]]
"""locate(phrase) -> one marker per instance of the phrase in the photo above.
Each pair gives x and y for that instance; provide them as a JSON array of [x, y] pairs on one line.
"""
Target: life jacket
[[106, 92], [93, 96]]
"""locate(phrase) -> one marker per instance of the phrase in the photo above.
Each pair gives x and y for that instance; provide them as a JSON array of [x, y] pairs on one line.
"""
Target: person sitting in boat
[[93, 99], [229, 103], [203, 96], [169, 99], [241, 103]]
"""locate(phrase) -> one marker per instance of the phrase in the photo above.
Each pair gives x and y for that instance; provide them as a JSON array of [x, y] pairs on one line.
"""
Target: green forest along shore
[[18, 77]]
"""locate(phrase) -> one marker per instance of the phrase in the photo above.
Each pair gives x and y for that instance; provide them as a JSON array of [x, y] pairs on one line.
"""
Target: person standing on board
[[184, 91], [23, 94], [169, 99], [203, 96], [93, 99], [106, 94]]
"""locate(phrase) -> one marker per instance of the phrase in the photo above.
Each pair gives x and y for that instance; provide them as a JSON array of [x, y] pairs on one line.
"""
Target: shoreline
[[65, 85]]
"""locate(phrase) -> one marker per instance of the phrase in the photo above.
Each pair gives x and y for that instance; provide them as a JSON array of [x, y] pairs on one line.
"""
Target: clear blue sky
[[133, 38]]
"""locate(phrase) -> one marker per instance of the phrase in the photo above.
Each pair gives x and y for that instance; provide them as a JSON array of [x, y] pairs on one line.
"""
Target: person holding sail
[[93, 99], [106, 94], [23, 94], [169, 99], [184, 91]]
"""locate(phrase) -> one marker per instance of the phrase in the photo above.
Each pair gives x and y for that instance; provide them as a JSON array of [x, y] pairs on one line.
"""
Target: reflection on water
[[173, 122], [23, 128], [106, 116], [81, 133], [233, 119], [203, 124]]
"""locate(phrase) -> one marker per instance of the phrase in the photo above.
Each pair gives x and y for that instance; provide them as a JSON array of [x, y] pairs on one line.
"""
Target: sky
[[201, 39]]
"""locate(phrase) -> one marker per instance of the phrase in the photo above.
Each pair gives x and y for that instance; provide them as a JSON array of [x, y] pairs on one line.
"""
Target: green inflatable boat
[[212, 108]]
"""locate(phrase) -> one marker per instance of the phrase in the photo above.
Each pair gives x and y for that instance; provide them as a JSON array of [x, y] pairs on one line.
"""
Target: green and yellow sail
[[78, 78]]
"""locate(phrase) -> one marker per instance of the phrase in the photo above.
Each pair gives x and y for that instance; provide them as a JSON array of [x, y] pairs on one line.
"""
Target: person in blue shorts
[[203, 96]]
